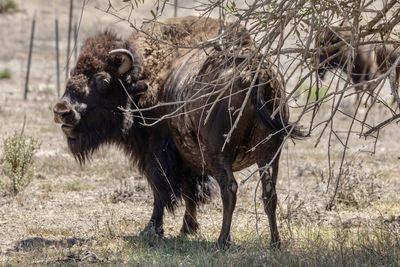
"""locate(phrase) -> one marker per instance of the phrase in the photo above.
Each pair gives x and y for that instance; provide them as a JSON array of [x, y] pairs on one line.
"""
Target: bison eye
[[105, 82], [102, 84]]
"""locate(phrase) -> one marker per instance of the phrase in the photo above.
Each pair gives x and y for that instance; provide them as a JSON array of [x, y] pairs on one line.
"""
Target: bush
[[5, 74], [17, 162], [7, 6], [356, 187], [314, 93]]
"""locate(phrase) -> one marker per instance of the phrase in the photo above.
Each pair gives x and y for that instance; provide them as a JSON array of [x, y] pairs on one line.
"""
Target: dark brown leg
[[270, 199], [155, 224], [359, 93], [228, 187], [371, 89], [264, 156], [190, 224]]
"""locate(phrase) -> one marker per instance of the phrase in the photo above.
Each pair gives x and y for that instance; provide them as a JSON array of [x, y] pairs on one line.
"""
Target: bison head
[[90, 109], [325, 43], [330, 53]]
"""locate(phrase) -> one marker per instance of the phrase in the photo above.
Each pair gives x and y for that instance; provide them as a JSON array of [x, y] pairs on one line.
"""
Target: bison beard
[[178, 154]]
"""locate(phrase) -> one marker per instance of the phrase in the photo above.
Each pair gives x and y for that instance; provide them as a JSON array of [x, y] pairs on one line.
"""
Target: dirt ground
[[69, 203]]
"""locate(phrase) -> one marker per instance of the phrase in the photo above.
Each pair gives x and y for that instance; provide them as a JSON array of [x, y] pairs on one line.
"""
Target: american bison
[[364, 66], [370, 60], [173, 112]]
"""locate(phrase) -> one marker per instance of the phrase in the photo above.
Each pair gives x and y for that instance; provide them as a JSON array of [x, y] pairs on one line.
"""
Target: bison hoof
[[151, 230], [189, 228], [224, 243], [275, 245]]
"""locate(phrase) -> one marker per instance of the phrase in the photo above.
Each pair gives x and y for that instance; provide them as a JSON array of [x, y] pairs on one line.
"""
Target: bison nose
[[63, 112]]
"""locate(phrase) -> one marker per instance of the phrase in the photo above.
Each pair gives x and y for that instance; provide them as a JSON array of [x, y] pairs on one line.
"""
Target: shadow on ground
[[180, 244], [40, 242]]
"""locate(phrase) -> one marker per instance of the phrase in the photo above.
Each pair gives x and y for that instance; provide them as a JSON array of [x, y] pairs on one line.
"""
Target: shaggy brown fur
[[161, 43], [179, 153]]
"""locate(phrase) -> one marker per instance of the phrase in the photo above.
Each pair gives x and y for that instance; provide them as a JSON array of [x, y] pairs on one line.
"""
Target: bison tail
[[278, 124], [205, 189], [295, 131]]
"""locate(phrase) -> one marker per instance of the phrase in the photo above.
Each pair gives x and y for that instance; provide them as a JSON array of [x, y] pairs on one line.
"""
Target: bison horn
[[127, 60]]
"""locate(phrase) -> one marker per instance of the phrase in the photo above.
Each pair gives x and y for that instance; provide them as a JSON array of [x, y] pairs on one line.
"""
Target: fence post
[[175, 8], [57, 59], [75, 42], [29, 57], [71, 5]]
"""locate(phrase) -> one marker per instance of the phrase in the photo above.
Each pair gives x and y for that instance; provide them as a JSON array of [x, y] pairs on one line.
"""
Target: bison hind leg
[[155, 225], [190, 224], [267, 154], [198, 190]]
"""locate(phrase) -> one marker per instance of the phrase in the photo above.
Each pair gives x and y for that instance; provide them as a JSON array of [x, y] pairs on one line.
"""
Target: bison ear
[[127, 60], [141, 86], [138, 87]]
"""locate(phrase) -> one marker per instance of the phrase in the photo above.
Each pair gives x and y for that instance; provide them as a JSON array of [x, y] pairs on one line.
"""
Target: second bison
[[370, 60]]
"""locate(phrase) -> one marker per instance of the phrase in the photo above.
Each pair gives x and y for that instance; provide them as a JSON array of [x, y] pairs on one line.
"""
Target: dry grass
[[305, 245]]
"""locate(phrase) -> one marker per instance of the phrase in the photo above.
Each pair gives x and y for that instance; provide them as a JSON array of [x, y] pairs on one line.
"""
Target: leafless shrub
[[309, 170], [294, 208], [355, 186]]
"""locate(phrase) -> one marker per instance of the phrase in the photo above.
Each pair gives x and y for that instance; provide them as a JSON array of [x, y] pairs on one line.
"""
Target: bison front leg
[[155, 225], [228, 187]]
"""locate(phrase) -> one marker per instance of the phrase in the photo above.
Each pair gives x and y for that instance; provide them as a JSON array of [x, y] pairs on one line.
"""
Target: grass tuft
[[5, 74], [312, 93], [8, 6]]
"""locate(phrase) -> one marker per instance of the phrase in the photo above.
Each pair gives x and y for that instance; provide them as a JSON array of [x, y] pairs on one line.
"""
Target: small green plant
[[5, 74], [8, 6], [314, 93], [17, 162], [311, 93]]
